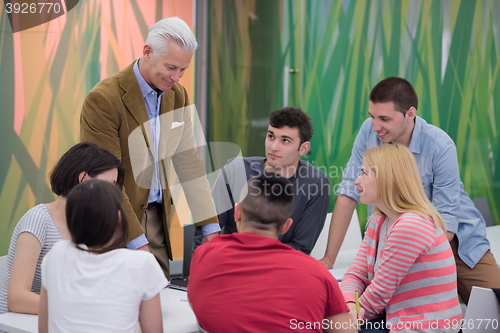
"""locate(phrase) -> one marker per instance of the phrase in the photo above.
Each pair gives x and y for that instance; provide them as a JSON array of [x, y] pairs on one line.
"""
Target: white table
[[18, 323], [176, 312], [345, 259]]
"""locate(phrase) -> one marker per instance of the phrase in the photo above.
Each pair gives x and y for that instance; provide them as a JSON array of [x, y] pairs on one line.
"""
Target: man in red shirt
[[251, 282]]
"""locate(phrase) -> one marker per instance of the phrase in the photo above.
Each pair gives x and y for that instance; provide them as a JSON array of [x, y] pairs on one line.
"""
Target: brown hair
[[396, 90], [95, 216]]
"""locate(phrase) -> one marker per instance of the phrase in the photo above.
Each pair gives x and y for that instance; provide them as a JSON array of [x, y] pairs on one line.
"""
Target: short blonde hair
[[399, 184]]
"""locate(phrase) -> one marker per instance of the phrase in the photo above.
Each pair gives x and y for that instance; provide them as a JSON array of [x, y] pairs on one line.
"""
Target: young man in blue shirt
[[393, 119]]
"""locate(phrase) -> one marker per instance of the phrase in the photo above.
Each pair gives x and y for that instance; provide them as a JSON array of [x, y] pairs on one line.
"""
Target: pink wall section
[[54, 66]]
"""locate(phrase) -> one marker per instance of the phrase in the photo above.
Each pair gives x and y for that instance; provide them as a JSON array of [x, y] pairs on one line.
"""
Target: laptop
[[181, 283], [178, 283]]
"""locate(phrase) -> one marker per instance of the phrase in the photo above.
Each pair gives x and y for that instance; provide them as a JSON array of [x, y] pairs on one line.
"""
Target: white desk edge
[[176, 312]]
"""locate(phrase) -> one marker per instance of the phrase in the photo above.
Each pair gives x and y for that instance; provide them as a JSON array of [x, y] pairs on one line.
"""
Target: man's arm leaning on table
[[348, 196], [341, 217]]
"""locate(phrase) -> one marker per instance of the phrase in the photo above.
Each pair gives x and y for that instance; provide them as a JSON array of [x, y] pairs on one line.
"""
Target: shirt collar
[[415, 136], [143, 85]]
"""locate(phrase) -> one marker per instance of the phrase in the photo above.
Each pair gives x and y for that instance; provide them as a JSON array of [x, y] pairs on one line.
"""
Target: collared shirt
[[437, 162], [152, 101]]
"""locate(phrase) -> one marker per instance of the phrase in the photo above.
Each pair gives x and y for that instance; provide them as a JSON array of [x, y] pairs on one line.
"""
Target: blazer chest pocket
[[171, 134]]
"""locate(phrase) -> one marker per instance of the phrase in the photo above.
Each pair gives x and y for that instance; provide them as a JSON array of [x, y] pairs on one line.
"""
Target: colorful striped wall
[[46, 73], [338, 50]]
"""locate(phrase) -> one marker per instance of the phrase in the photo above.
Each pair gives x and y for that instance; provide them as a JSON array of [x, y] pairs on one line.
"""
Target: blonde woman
[[404, 272]]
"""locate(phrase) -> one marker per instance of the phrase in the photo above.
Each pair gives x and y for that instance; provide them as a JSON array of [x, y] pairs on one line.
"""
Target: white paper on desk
[[338, 273]]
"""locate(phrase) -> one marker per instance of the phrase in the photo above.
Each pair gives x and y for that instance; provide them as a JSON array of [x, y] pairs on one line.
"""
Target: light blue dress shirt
[[436, 157], [152, 100]]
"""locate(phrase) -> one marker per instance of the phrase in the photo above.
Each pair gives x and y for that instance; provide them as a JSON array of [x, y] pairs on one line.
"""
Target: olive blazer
[[114, 117]]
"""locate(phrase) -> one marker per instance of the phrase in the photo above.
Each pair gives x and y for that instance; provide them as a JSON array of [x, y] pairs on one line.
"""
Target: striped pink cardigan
[[415, 282]]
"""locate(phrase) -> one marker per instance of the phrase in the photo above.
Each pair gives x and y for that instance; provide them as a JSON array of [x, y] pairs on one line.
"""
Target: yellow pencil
[[356, 300]]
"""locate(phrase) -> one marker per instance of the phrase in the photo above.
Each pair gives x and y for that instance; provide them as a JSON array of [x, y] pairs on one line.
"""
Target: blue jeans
[[376, 325]]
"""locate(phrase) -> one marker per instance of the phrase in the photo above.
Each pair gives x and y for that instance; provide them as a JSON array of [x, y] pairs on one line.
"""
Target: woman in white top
[[93, 284], [44, 225]]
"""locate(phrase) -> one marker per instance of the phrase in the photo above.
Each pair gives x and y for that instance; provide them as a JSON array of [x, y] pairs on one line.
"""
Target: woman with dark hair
[[93, 284], [42, 226]]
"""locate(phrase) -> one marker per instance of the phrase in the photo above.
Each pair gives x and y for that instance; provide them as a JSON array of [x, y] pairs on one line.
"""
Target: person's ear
[[237, 216], [147, 51], [83, 176], [304, 148], [286, 226], [411, 113], [237, 212]]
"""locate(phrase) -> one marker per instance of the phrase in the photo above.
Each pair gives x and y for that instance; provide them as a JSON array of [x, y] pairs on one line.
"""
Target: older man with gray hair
[[142, 116]]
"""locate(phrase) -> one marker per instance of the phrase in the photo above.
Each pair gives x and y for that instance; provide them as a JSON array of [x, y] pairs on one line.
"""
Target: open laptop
[[181, 282], [178, 283]]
